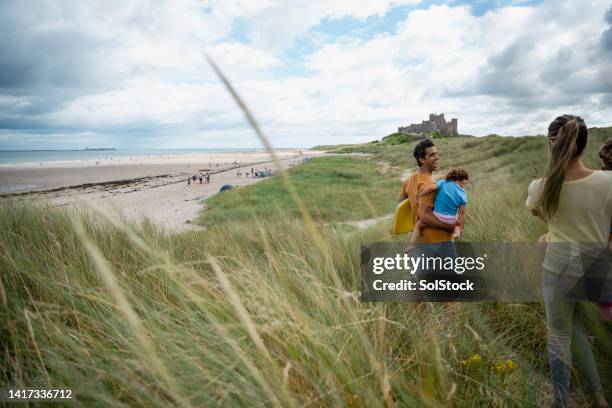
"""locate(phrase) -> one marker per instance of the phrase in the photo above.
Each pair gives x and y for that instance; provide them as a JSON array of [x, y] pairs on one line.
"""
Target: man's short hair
[[420, 150]]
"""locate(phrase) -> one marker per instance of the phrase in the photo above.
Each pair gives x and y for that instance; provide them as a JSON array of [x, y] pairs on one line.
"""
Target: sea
[[33, 157]]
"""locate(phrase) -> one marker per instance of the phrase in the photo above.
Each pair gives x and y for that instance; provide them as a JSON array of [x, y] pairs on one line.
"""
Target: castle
[[435, 123]]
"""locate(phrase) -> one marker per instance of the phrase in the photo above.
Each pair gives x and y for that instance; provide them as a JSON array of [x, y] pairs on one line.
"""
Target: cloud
[[133, 72], [606, 36], [277, 27], [537, 65]]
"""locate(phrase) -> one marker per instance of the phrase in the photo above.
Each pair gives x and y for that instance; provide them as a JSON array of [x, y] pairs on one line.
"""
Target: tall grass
[[264, 324], [261, 308], [252, 313]]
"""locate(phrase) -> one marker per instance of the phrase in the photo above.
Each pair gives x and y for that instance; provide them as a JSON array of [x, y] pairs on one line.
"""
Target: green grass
[[249, 312], [321, 346], [333, 189]]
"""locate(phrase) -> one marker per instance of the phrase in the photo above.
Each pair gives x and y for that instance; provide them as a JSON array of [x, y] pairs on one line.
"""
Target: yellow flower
[[473, 360], [511, 365], [505, 366]]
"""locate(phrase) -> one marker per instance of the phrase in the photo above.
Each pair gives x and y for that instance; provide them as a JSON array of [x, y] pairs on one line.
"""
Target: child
[[605, 153], [450, 202]]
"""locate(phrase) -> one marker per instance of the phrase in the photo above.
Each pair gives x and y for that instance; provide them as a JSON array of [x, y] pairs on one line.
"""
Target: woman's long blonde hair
[[567, 136]]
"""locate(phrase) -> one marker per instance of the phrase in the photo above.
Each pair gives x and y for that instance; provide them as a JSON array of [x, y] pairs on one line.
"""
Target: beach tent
[[226, 187]]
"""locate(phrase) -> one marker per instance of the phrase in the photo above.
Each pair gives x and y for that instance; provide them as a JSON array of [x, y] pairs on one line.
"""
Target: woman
[[576, 203]]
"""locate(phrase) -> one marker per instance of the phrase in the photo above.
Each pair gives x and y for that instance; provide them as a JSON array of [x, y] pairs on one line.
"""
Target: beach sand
[[153, 186]]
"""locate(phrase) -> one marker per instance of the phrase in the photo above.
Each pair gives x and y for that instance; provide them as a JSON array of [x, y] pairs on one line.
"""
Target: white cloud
[[278, 26], [97, 69], [494, 72]]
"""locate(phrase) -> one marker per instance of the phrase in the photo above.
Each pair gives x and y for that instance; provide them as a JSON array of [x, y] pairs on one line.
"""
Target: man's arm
[[428, 190], [461, 218], [427, 217], [402, 194]]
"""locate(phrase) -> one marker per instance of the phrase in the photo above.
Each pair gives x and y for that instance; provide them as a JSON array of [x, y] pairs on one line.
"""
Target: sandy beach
[[149, 186]]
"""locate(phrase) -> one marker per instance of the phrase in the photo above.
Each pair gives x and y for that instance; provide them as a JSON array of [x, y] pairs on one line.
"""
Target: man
[[436, 237], [426, 156]]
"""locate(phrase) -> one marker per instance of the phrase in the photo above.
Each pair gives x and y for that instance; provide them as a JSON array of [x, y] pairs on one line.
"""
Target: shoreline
[[148, 158], [24, 178], [159, 192]]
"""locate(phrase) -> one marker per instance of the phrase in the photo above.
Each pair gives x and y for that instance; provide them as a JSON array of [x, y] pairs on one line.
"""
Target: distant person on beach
[[194, 178], [208, 178], [450, 202], [189, 181], [200, 178], [576, 204]]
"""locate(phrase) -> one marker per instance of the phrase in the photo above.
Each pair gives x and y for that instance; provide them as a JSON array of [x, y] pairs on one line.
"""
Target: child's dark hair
[[605, 153], [457, 174]]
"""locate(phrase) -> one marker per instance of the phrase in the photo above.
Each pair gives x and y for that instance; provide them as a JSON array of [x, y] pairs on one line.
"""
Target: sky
[[132, 74]]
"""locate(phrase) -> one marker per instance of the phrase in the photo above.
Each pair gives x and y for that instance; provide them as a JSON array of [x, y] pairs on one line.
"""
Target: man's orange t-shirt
[[412, 187]]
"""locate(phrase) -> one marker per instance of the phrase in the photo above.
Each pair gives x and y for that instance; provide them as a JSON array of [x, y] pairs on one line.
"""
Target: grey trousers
[[567, 341]]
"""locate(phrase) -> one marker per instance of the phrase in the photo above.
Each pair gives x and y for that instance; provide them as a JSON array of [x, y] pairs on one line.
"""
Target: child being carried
[[450, 202]]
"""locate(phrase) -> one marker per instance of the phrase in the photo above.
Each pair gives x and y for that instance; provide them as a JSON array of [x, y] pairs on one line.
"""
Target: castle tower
[[453, 127]]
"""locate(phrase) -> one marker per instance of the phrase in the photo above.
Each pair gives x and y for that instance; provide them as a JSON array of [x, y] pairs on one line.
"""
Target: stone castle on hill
[[435, 123]]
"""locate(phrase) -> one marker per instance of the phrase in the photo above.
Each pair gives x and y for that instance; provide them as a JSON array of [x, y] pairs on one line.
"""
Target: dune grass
[[250, 312], [275, 324], [333, 189]]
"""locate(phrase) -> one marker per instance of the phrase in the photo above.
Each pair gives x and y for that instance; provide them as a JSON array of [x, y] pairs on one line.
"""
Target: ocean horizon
[[28, 157]]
